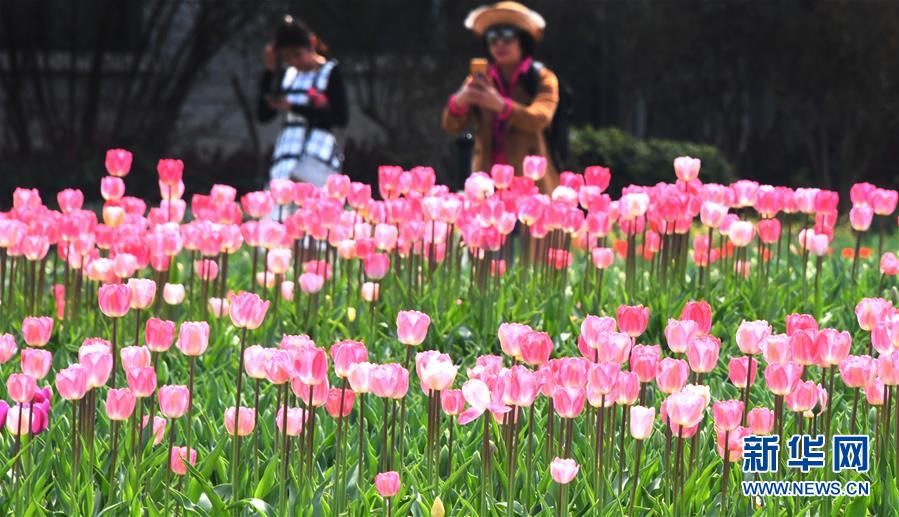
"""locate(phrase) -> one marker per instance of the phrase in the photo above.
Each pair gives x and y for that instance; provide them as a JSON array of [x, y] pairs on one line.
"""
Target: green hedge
[[643, 162]]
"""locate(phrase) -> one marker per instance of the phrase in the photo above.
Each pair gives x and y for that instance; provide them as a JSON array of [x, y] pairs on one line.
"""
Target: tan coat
[[523, 130]]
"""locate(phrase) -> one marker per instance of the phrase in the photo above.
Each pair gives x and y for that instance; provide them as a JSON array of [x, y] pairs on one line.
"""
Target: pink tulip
[[279, 368], [477, 395], [777, 349], [686, 168], [534, 167], [159, 424], [21, 387], [734, 441], [452, 402], [602, 378], [345, 354], [741, 233], [888, 368], [311, 283], [685, 408], [889, 264], [737, 370], [641, 422], [833, 346], [7, 347], [247, 310], [632, 319], [412, 327], [36, 362], [120, 404], [435, 370], [387, 483], [804, 396], [860, 217], [509, 337], [712, 214], [319, 395], [804, 347], [296, 418], [880, 338], [644, 361], [310, 364], [602, 257], [170, 172], [679, 334], [370, 291], [727, 414], [781, 378], [563, 470], [874, 392], [769, 230], [71, 382], [176, 461], [535, 347], [36, 331], [340, 402], [112, 188], [672, 375], [569, 402], [761, 420], [255, 358], [173, 400], [359, 376], [159, 334], [700, 312], [206, 269], [193, 338], [858, 371], [141, 380], [797, 322], [135, 357], [571, 372], [750, 336], [702, 353], [118, 162], [870, 311], [520, 387], [376, 266], [173, 294], [246, 421], [143, 292], [98, 364], [114, 300], [17, 418]]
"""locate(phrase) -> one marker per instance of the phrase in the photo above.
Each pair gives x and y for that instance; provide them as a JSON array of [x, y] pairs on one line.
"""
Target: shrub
[[643, 162]]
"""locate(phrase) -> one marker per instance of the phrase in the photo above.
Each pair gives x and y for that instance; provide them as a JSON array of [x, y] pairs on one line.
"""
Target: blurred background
[[786, 92]]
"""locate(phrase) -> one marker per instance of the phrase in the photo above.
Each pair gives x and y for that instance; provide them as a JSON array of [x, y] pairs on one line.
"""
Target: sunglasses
[[505, 34]]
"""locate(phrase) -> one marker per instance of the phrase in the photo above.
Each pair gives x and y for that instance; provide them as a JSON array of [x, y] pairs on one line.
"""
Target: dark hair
[[525, 41], [292, 32]]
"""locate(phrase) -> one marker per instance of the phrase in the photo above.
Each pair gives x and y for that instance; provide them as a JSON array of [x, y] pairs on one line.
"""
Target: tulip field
[[494, 351]]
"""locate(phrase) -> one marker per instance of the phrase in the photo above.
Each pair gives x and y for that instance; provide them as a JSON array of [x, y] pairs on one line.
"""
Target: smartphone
[[478, 68]]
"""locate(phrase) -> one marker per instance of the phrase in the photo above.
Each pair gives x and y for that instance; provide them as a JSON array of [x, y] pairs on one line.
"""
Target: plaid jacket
[[297, 138]]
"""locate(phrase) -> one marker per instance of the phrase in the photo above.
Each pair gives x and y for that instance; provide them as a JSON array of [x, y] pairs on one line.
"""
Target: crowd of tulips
[[574, 353]]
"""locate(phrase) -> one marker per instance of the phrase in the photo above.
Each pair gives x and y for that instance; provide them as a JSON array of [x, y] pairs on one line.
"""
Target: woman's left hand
[[490, 98]]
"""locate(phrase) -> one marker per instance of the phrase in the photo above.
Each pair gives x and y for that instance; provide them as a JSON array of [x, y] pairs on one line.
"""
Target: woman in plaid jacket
[[309, 91]]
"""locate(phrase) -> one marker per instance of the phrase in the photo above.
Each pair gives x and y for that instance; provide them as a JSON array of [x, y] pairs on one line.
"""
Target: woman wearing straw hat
[[513, 102]]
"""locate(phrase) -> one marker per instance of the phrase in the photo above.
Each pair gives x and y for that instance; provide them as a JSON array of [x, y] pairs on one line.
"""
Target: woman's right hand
[[271, 59]]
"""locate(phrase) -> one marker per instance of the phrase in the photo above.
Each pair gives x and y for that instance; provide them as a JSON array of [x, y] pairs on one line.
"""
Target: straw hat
[[505, 13]]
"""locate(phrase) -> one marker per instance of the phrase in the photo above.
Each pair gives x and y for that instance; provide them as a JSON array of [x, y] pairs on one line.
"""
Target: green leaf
[[267, 482]]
